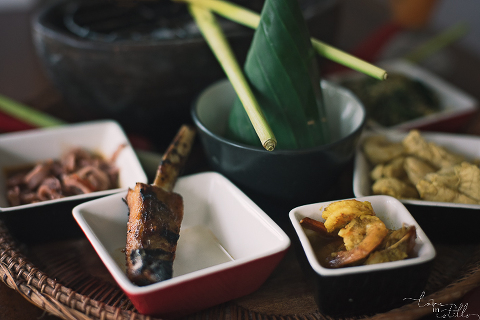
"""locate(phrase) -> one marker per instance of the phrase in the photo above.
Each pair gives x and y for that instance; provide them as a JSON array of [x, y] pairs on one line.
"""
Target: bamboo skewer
[[251, 19], [348, 60], [174, 159], [220, 47], [27, 114]]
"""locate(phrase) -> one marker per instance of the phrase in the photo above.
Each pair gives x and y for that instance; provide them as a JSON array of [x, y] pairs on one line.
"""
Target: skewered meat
[[155, 217]]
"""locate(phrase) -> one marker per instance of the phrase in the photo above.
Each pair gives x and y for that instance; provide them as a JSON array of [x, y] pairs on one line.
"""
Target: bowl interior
[[313, 173], [222, 228], [344, 111], [103, 137], [391, 211]]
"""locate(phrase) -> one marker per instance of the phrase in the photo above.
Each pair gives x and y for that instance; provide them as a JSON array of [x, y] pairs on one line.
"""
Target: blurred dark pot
[[146, 84], [294, 176]]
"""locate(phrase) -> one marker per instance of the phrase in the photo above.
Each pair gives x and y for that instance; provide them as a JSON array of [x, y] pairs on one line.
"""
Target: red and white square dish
[[227, 248]]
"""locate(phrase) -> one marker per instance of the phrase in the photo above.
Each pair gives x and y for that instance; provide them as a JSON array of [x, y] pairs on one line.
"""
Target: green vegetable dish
[[397, 100]]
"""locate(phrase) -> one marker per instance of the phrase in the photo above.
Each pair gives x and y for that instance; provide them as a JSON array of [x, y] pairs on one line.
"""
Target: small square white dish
[[37, 145], [443, 222], [466, 145], [227, 248], [455, 105], [365, 289]]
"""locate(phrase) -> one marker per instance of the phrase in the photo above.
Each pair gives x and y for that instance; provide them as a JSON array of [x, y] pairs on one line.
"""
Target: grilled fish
[[155, 214]]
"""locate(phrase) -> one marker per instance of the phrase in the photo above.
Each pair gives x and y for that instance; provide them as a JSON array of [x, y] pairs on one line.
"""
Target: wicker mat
[[68, 280]]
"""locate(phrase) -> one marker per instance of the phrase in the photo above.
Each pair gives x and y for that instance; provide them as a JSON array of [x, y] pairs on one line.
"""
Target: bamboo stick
[[27, 114], [220, 47], [251, 19], [174, 158]]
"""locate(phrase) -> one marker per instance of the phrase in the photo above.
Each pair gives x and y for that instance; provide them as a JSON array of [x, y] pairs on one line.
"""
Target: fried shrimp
[[340, 213], [398, 246], [353, 234], [361, 237]]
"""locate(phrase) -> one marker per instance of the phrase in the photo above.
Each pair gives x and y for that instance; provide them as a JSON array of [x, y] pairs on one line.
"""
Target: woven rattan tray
[[66, 278]]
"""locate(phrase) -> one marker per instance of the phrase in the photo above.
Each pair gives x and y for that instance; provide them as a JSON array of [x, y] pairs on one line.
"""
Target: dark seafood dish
[[79, 171]]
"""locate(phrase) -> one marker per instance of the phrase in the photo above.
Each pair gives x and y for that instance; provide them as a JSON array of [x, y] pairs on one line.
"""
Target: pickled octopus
[[361, 236], [77, 172], [366, 239]]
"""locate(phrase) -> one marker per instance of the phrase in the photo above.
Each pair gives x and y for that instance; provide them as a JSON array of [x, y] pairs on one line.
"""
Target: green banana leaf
[[282, 70]]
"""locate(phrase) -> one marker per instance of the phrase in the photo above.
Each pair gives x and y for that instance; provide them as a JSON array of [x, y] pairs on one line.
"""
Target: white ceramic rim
[[298, 213]]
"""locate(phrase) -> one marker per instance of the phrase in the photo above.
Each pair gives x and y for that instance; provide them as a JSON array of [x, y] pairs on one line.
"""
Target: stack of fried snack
[[418, 169]]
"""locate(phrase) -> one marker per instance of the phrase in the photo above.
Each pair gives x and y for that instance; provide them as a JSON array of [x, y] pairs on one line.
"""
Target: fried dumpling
[[436, 155], [469, 176], [416, 169], [378, 149], [392, 169], [432, 191], [395, 188]]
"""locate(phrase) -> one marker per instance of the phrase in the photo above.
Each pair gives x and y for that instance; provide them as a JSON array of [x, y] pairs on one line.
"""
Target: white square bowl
[[227, 248], [456, 106], [366, 289], [436, 218], [31, 146]]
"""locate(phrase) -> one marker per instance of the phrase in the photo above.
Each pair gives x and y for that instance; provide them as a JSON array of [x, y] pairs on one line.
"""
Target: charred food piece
[[153, 229], [155, 217]]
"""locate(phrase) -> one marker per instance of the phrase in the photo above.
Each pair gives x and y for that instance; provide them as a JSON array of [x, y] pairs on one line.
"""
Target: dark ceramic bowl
[[294, 176], [365, 289], [146, 81]]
